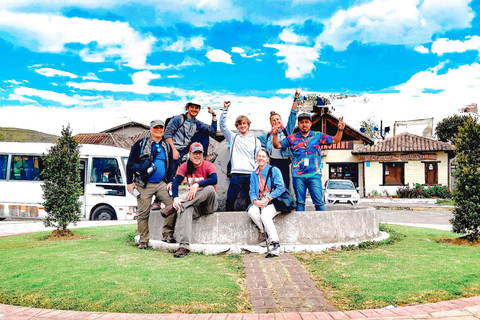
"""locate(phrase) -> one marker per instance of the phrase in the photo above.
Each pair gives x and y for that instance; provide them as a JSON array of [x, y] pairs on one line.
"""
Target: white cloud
[[289, 36], [46, 95], [90, 76], [460, 82], [443, 45], [51, 33], [300, 60], [49, 72], [243, 53], [140, 85], [182, 44], [12, 81], [217, 55], [187, 62], [421, 49], [395, 22]]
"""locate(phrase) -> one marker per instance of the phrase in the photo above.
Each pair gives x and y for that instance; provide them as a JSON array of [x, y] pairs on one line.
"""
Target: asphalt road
[[435, 219]]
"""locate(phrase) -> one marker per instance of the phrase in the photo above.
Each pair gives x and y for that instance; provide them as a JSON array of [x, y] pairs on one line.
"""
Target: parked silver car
[[340, 191]]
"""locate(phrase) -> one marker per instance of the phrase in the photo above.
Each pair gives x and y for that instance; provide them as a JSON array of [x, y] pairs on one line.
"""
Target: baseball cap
[[305, 115], [155, 123], [195, 147]]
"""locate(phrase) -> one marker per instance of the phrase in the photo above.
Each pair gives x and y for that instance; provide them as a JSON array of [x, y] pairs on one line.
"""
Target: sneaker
[[142, 245], [181, 252], [276, 249], [168, 211], [263, 243], [169, 239]]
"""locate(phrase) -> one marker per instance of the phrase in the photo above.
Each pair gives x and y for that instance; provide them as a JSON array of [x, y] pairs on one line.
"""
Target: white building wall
[[414, 172]]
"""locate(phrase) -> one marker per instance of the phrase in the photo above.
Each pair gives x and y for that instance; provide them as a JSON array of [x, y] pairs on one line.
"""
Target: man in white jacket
[[243, 149]]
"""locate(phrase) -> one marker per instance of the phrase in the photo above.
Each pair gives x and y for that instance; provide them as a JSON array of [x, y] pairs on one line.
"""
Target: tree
[[448, 127], [368, 125], [62, 185], [466, 215]]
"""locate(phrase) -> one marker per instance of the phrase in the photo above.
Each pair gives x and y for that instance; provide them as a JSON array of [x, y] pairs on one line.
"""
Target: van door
[[83, 172]]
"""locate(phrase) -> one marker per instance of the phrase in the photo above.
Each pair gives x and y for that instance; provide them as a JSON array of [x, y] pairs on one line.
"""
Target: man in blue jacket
[[149, 171], [184, 129]]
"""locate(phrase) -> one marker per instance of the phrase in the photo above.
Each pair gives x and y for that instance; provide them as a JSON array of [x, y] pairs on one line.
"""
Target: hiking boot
[[211, 157], [276, 249], [168, 211], [142, 245], [181, 252], [155, 206], [169, 239]]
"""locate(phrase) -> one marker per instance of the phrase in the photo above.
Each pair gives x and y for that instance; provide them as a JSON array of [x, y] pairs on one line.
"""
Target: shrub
[[419, 191]]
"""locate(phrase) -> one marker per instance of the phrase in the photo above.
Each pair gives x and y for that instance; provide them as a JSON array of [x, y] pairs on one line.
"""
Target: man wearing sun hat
[[306, 164], [201, 198]]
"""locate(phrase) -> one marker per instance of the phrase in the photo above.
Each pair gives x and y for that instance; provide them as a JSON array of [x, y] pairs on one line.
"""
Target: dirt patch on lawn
[[64, 235], [462, 241]]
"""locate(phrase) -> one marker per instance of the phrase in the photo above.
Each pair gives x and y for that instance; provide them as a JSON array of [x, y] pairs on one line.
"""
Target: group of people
[[259, 171]]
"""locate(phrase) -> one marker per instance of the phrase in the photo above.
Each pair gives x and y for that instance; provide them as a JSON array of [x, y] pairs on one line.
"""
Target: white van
[[102, 169]]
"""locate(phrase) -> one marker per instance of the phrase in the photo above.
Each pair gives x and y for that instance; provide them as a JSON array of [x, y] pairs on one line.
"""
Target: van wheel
[[104, 213]]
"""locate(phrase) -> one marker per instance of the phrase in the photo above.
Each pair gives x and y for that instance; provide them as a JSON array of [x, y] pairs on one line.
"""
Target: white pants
[[263, 218]]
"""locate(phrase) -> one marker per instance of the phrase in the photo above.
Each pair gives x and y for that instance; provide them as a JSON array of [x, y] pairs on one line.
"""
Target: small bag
[[142, 170], [284, 202]]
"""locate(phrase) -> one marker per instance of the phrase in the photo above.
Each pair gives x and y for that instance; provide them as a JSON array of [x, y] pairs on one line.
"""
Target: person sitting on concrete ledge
[[266, 184], [201, 198]]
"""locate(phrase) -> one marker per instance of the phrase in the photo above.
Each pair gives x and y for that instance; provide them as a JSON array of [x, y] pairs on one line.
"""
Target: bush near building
[[421, 191]]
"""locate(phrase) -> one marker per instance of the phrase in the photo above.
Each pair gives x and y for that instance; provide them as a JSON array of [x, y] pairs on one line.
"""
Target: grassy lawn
[[417, 269], [106, 272]]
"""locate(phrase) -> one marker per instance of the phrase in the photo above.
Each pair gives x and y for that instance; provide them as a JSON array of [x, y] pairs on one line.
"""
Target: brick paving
[[281, 284]]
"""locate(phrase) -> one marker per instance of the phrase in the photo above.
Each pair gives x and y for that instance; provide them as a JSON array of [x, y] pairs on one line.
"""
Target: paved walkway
[[461, 309], [281, 285]]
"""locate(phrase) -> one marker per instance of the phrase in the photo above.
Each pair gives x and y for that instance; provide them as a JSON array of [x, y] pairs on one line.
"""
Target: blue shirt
[[159, 162], [306, 152]]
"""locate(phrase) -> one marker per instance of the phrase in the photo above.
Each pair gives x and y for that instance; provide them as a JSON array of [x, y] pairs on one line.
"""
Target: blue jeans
[[314, 185], [239, 186]]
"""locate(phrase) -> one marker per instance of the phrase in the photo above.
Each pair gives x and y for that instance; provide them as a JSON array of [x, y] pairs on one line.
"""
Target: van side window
[[26, 168], [105, 170], [3, 166]]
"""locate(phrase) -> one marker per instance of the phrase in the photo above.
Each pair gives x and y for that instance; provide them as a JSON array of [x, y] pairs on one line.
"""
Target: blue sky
[[96, 64]]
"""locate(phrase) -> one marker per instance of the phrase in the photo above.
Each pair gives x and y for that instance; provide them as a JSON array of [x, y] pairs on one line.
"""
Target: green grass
[[106, 272], [25, 135], [414, 270]]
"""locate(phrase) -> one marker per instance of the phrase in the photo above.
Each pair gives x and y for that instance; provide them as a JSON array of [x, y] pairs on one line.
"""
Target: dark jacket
[[144, 148]]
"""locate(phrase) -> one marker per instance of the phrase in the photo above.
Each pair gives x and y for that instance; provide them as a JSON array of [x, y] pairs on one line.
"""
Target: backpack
[[167, 121]]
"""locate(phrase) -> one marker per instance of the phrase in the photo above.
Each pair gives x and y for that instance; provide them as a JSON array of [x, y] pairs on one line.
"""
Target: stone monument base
[[234, 232]]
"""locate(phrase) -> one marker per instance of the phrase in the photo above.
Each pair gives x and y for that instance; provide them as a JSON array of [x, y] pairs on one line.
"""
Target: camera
[[151, 168]]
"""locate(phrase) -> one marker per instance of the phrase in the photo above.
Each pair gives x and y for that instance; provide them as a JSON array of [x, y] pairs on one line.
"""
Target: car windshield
[[340, 185]]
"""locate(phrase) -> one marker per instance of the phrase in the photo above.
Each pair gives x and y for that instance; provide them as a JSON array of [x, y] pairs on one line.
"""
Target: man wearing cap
[[306, 164], [201, 198], [183, 129], [149, 171]]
